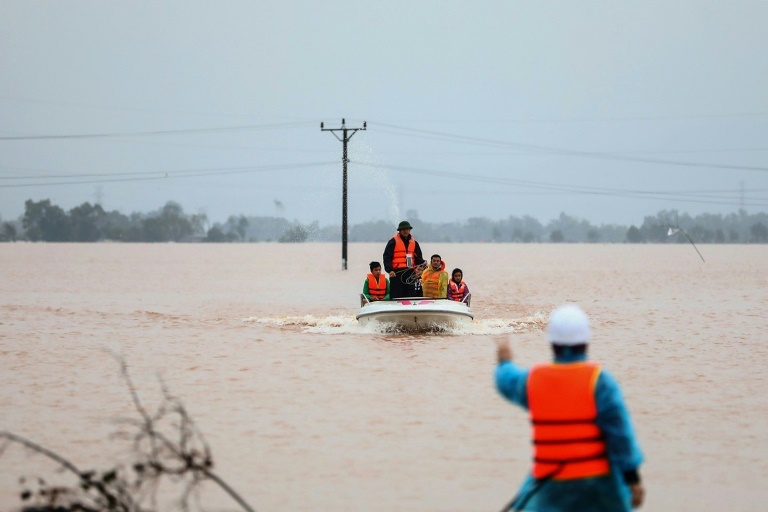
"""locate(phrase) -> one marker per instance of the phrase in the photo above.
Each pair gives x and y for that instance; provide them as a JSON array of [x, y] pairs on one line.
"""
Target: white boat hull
[[417, 313]]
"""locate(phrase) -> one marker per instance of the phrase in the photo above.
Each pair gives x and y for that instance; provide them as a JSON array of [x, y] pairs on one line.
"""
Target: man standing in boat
[[402, 256], [585, 453]]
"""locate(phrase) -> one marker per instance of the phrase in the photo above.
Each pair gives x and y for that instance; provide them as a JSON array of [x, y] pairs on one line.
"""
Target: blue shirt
[[615, 424]]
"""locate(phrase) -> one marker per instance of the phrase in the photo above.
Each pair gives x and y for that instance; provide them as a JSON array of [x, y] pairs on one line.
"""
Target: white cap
[[568, 325]]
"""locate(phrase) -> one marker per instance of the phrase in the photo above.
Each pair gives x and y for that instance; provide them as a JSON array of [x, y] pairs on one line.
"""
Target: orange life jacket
[[398, 259], [457, 290], [430, 281], [377, 290], [567, 442]]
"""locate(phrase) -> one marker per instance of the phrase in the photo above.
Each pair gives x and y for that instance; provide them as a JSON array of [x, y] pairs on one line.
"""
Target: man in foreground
[[586, 456]]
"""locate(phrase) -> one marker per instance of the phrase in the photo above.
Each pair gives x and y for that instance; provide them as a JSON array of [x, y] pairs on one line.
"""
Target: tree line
[[47, 222]]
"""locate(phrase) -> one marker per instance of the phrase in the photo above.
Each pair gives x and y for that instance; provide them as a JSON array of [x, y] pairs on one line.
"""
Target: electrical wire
[[156, 132], [449, 137], [147, 175], [572, 189]]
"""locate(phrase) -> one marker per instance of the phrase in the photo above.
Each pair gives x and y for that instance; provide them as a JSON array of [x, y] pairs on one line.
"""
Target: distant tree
[[170, 225], [572, 228], [133, 234], [719, 236], [295, 234], [374, 231], [759, 233], [217, 235], [8, 233], [634, 235], [155, 230], [86, 221], [199, 222], [654, 229], [478, 229], [45, 221], [33, 216], [525, 229], [701, 234], [242, 225]]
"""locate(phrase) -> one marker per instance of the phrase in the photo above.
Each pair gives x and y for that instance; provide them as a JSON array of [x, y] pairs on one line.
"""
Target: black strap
[[563, 462], [568, 441], [564, 422]]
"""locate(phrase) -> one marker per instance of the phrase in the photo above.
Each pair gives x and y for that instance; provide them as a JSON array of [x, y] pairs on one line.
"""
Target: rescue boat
[[416, 313]]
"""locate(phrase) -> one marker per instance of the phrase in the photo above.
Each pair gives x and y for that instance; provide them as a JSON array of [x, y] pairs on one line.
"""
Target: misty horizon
[[605, 111]]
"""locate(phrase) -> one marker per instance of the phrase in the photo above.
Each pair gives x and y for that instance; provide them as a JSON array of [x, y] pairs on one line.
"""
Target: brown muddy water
[[306, 411]]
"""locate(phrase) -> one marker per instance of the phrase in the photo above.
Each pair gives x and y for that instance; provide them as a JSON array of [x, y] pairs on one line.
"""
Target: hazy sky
[[607, 111]]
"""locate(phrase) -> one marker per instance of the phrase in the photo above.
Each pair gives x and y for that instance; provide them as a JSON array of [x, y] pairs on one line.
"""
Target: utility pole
[[347, 134]]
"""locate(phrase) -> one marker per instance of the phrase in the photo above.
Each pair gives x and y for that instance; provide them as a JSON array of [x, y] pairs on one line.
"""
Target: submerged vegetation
[[168, 451], [44, 221]]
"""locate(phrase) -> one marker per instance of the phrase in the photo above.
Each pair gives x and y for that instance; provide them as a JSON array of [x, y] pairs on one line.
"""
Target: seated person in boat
[[434, 279], [457, 288], [376, 287]]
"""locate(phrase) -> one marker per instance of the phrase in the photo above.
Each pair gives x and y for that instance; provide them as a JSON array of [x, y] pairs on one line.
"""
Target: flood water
[[306, 411]]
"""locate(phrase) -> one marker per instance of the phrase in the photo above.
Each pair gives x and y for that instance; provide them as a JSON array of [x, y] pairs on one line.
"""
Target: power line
[[592, 119], [92, 106], [160, 175], [449, 137], [155, 133], [215, 170], [422, 120], [572, 189]]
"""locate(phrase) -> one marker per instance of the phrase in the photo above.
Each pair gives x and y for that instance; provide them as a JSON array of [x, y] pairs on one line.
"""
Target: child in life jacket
[[457, 288]]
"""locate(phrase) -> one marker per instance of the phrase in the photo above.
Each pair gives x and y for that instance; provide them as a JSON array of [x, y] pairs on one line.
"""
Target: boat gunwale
[[409, 310]]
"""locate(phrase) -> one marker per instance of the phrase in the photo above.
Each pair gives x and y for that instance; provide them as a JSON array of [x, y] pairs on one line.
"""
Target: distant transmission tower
[[742, 196], [99, 195], [347, 134]]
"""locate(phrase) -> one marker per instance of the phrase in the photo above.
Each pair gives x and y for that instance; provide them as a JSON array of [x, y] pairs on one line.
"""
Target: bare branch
[[168, 445], [41, 450]]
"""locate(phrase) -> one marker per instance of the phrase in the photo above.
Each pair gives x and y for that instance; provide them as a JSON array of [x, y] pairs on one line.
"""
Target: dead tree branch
[[167, 446]]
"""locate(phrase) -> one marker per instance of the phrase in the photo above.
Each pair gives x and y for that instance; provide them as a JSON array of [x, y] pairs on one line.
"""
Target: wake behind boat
[[416, 313]]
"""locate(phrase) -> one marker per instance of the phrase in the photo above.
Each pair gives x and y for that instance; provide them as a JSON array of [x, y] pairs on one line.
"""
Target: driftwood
[[167, 446]]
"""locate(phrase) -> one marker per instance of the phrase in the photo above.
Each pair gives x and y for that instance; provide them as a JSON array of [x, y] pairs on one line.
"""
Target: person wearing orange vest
[[585, 452], [376, 286], [402, 261], [457, 288], [434, 279]]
